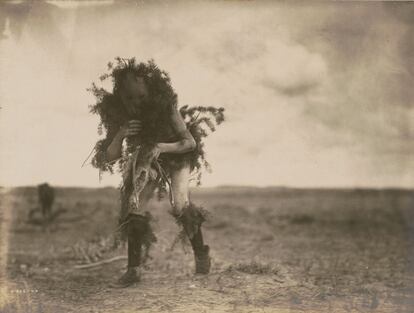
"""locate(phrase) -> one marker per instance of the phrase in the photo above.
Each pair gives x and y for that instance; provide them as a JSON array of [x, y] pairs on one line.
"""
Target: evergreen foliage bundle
[[154, 117]]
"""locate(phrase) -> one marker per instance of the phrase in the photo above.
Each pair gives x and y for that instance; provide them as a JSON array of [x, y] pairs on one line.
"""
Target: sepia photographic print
[[206, 156]]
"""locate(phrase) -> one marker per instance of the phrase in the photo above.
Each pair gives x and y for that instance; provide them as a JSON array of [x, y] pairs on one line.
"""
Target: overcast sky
[[316, 94]]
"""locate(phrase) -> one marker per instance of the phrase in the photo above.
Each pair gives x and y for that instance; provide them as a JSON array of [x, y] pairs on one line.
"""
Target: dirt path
[[299, 252]]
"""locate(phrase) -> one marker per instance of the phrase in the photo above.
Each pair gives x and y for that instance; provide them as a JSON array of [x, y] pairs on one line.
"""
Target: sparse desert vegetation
[[273, 249]]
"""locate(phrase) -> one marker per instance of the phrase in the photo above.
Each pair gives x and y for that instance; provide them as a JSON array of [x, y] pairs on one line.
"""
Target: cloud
[[267, 61], [311, 99], [68, 4], [292, 90], [367, 102]]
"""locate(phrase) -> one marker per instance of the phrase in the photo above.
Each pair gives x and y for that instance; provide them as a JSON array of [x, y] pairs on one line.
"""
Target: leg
[[47, 210], [45, 216], [190, 217], [138, 228]]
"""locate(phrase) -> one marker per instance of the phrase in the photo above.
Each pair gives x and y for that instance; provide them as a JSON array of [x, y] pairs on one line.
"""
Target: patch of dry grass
[[92, 250], [254, 268]]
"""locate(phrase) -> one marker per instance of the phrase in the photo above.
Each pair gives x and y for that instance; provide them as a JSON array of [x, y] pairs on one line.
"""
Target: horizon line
[[228, 186]]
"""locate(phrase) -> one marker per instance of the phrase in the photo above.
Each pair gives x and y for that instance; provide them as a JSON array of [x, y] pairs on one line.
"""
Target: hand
[[152, 153], [131, 128], [155, 152]]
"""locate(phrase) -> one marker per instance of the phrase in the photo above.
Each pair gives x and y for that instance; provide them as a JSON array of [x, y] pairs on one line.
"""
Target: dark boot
[[201, 253], [202, 261], [131, 276], [192, 220], [137, 228]]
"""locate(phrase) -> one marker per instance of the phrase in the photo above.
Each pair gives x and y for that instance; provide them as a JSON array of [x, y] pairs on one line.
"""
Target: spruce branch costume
[[139, 165]]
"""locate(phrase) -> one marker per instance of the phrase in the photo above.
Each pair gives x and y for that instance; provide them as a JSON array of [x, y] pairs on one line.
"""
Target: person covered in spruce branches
[[156, 146]]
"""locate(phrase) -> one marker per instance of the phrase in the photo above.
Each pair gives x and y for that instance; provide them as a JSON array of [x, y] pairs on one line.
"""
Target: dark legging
[[138, 227]]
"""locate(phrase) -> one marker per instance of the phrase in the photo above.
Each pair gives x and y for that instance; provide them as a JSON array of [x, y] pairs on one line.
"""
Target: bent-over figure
[[159, 150]]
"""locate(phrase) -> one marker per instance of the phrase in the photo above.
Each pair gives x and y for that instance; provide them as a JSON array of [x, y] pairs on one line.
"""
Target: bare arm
[[114, 150], [185, 143]]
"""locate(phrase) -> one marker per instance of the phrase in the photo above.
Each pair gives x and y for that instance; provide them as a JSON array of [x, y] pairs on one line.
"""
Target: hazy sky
[[316, 94]]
